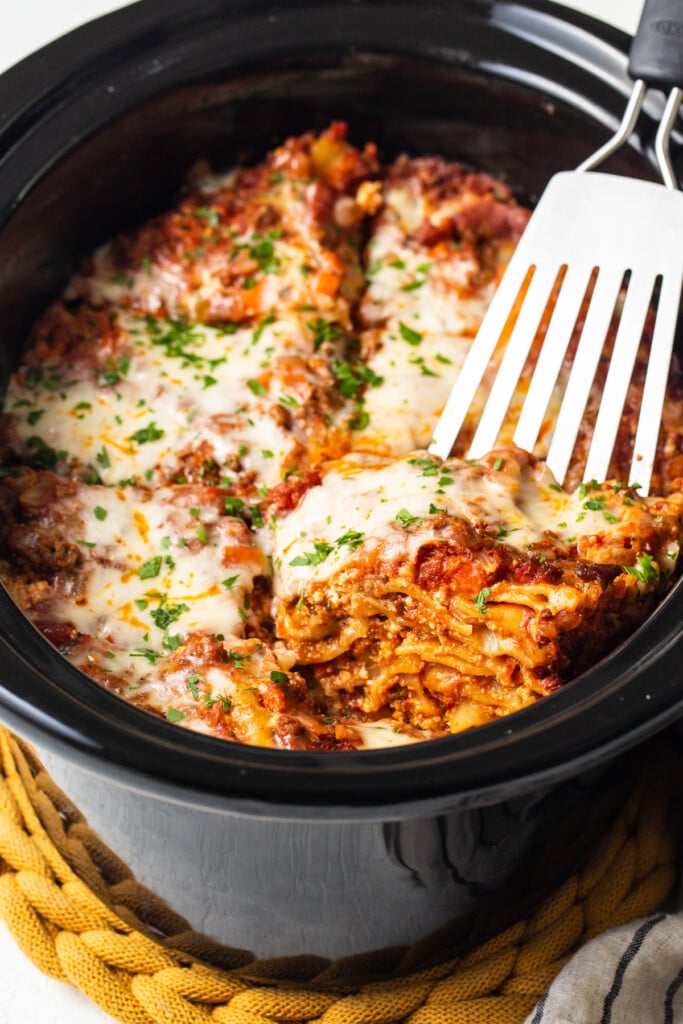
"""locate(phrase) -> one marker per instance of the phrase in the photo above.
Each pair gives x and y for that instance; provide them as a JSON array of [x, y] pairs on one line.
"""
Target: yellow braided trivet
[[77, 912]]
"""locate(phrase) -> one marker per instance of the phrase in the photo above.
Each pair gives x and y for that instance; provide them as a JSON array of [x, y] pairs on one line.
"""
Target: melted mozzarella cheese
[[154, 569], [426, 312], [392, 507], [202, 386]]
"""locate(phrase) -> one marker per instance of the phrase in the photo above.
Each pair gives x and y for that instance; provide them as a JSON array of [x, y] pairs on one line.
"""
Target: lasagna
[[217, 499]]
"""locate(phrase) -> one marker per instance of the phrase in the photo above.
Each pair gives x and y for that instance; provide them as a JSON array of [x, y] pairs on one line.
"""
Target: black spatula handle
[[657, 50]]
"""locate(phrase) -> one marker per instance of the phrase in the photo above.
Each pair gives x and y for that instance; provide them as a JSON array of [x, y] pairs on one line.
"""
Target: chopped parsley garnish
[[43, 455], [359, 420], [594, 504], [645, 570], [288, 400], [352, 377], [146, 652], [429, 466], [434, 510], [405, 519], [91, 475], [100, 513], [481, 599], [150, 568], [351, 539], [238, 658], [279, 678], [166, 613], [206, 213], [233, 506], [270, 319], [102, 458], [256, 516], [498, 464], [323, 331], [173, 715], [321, 550], [114, 371], [256, 387], [230, 581], [408, 334], [192, 682], [34, 416], [149, 433], [262, 251]]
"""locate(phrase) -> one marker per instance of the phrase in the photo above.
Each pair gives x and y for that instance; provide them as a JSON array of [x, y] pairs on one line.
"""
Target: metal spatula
[[622, 237]]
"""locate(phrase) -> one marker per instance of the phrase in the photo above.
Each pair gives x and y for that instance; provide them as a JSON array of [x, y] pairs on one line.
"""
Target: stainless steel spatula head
[[600, 254]]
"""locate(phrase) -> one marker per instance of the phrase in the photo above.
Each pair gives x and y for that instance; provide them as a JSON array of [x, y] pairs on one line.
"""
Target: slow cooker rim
[[350, 783]]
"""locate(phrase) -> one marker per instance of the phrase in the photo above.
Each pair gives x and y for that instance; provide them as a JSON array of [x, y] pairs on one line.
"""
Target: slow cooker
[[286, 851]]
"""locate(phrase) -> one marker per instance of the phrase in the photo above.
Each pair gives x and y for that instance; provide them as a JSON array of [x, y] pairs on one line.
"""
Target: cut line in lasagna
[[217, 501]]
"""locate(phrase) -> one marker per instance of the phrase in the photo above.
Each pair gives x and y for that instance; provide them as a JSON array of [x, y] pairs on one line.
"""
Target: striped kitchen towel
[[631, 975]]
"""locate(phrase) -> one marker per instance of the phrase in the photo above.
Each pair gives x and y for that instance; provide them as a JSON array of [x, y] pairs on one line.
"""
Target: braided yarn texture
[[76, 910]]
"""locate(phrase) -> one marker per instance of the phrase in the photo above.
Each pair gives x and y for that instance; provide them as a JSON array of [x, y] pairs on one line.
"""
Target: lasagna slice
[[444, 595], [437, 248], [271, 238], [109, 397]]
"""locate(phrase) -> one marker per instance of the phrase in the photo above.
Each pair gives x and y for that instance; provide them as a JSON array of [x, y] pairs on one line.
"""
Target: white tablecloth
[[27, 996]]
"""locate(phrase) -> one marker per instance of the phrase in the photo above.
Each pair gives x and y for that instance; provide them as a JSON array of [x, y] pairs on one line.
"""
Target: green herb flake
[[233, 505], [408, 334], [256, 517], [352, 539], [102, 458], [279, 677], [192, 684], [323, 331], [481, 599], [353, 377], [360, 420], [256, 336], [146, 652], [166, 613], [321, 550], [405, 519], [149, 433], [100, 513], [150, 569], [230, 581], [256, 387], [645, 570], [173, 715]]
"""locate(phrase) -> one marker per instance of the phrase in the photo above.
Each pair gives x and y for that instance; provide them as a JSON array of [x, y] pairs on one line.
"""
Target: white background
[[26, 996]]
